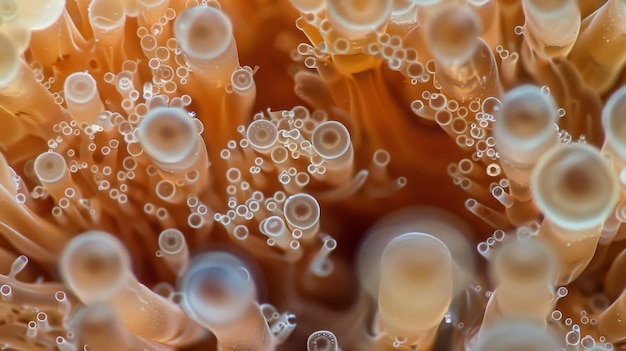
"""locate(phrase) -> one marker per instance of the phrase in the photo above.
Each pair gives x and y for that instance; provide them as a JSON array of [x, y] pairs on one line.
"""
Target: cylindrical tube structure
[[516, 335], [170, 137], [575, 188], [174, 249], [416, 287], [302, 211], [331, 140], [614, 125], [465, 66], [205, 35], [354, 20], [525, 273], [523, 131], [82, 98], [600, 50], [98, 326], [551, 27], [220, 295], [96, 266]]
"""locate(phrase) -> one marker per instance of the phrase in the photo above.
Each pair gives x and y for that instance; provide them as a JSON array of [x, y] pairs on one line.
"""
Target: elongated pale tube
[[174, 249], [614, 125], [171, 139], [274, 228], [416, 287], [98, 326], [205, 36], [262, 135], [95, 265], [16, 30], [82, 97], [525, 273], [465, 66], [107, 19], [331, 140], [21, 94], [600, 50], [444, 225], [240, 98], [516, 335], [355, 20], [51, 170], [551, 27], [575, 188], [150, 11], [523, 131], [219, 294], [611, 321], [614, 128], [302, 211]]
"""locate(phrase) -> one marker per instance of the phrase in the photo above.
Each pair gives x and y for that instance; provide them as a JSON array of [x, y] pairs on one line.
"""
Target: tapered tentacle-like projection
[[418, 265], [107, 19], [22, 95], [465, 66], [171, 139], [173, 247], [99, 327], [205, 37], [96, 267], [526, 121], [219, 293], [551, 27], [598, 52], [83, 100], [576, 190], [614, 127], [525, 274], [331, 141]]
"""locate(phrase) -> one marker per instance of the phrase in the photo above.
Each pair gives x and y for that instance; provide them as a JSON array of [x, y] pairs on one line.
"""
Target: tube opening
[[203, 32], [167, 134], [95, 265]]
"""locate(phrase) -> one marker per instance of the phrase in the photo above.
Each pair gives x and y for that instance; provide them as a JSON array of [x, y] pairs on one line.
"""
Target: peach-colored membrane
[[312, 175]]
